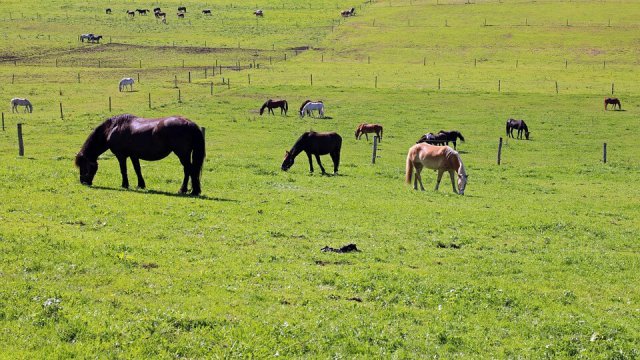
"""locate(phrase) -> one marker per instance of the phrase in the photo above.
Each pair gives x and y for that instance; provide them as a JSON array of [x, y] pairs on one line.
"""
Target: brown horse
[[147, 139], [612, 101], [273, 104], [365, 129], [314, 143], [440, 158]]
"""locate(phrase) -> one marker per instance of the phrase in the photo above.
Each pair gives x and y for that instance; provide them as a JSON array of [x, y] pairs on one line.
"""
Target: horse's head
[[526, 134], [288, 161], [462, 183], [88, 169]]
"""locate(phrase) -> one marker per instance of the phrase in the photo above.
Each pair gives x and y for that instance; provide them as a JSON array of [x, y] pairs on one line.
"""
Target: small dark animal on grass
[[108, 11], [95, 39], [161, 15], [451, 136], [182, 8], [155, 10], [128, 136], [131, 13], [432, 139], [206, 12], [440, 158], [519, 125], [258, 13], [274, 104], [180, 15], [368, 129], [344, 249], [347, 13], [612, 101], [314, 143]]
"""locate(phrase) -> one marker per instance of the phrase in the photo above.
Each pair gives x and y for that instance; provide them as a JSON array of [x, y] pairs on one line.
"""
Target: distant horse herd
[[181, 13]]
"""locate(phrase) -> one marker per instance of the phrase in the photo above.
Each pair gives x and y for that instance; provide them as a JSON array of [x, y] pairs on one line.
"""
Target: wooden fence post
[[499, 83], [438, 83], [374, 153], [189, 77], [212, 88], [249, 78], [612, 88], [311, 79], [140, 64], [604, 153], [205, 72], [2, 121], [179, 96], [499, 150], [78, 78], [556, 87], [175, 81], [228, 83], [376, 83], [20, 142], [61, 113], [149, 100], [109, 103]]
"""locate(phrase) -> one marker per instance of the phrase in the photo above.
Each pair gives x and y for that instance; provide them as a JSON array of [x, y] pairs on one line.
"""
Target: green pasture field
[[539, 258]]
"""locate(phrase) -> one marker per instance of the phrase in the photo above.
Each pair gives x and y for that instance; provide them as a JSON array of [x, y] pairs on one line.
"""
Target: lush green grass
[[538, 259]]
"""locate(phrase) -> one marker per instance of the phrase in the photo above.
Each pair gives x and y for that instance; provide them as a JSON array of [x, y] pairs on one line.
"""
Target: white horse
[[126, 81], [310, 106], [15, 102]]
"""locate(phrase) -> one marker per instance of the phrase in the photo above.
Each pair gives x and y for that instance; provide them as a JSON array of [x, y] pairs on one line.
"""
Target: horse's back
[[323, 143], [432, 156]]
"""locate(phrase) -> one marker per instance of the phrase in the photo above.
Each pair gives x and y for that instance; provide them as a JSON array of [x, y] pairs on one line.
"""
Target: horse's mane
[[100, 134]]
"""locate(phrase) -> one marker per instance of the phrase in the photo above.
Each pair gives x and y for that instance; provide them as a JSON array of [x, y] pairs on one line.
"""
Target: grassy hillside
[[538, 259]]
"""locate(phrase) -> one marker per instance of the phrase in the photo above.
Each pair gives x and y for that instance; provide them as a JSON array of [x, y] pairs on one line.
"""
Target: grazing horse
[[451, 136], [124, 82], [258, 13], [368, 129], [142, 11], [87, 37], [131, 13], [314, 143], [182, 8], [433, 139], [15, 102], [180, 15], [310, 106], [206, 12], [160, 15], [127, 136], [347, 13], [273, 104], [155, 10], [519, 125], [612, 101], [440, 158], [95, 39], [108, 11]]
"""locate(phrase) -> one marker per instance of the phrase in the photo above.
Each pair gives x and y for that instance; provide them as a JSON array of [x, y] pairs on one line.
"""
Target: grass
[[538, 259]]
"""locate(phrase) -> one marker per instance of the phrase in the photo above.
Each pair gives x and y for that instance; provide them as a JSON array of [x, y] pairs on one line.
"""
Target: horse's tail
[[409, 168], [507, 128], [460, 136], [381, 129], [198, 154], [286, 106]]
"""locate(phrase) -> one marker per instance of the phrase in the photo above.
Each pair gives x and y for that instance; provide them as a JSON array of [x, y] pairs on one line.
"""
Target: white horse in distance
[[15, 102], [126, 81], [310, 106]]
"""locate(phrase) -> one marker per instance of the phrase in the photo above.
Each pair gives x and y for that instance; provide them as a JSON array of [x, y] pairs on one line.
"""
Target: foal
[[440, 158]]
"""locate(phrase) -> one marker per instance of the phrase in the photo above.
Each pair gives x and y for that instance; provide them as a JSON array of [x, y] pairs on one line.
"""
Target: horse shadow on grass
[[165, 193]]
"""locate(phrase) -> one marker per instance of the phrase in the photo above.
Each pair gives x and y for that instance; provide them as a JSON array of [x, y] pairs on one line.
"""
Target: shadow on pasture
[[165, 193]]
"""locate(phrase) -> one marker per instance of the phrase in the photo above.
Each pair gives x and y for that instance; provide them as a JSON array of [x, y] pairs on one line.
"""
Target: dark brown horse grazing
[[317, 144], [612, 101], [519, 125], [273, 104], [451, 136], [368, 129], [147, 139]]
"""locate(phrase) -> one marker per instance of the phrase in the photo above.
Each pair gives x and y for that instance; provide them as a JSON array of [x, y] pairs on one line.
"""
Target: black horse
[[182, 8], [451, 136], [273, 104], [317, 144], [612, 101], [108, 11], [518, 125], [432, 139], [147, 139]]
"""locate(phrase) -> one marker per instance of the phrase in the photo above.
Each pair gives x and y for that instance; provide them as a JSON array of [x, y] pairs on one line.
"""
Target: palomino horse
[[147, 139], [440, 158], [317, 144], [451, 136], [15, 102], [612, 101], [368, 129], [124, 82], [273, 104], [309, 107], [519, 125]]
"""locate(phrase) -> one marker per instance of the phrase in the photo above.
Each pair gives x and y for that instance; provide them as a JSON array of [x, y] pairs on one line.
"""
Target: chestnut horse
[[147, 139], [314, 143], [273, 104], [365, 129], [612, 101], [440, 158]]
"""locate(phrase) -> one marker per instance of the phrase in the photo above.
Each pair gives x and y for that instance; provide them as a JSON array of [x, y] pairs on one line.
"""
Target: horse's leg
[[454, 145], [310, 162], [186, 166], [123, 171], [440, 172], [419, 176], [366, 136], [136, 166], [320, 164], [453, 183]]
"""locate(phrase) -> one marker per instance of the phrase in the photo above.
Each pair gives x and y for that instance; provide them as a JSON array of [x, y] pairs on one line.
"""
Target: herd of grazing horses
[[182, 11], [129, 136]]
